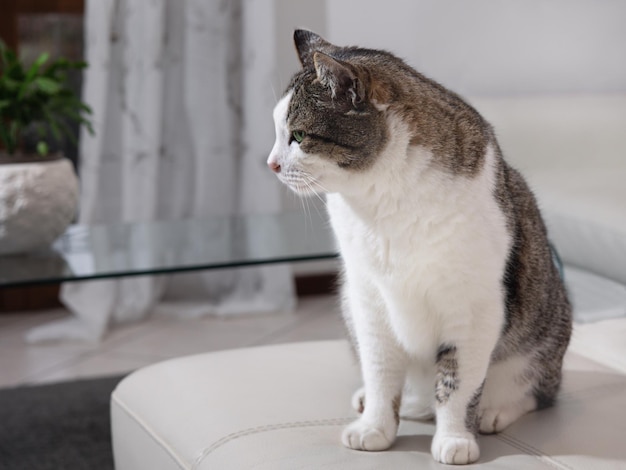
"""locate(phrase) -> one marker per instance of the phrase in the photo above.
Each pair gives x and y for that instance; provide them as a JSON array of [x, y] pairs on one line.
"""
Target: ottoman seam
[[564, 397], [178, 459], [270, 427], [510, 440], [532, 451]]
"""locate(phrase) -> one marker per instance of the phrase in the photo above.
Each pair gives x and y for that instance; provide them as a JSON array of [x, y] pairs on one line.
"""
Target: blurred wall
[[495, 47]]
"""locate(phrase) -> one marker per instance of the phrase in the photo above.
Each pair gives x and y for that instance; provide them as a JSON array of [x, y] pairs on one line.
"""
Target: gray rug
[[59, 426]]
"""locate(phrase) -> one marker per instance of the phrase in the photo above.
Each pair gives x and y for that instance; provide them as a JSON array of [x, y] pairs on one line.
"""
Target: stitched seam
[[520, 446], [529, 449], [177, 458], [565, 397], [510, 440], [271, 427]]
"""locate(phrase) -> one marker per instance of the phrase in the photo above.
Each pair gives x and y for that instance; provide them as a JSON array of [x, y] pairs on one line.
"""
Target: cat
[[449, 291]]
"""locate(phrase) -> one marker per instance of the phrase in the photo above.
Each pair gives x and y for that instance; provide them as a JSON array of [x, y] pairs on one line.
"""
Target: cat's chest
[[390, 244], [407, 247], [382, 248]]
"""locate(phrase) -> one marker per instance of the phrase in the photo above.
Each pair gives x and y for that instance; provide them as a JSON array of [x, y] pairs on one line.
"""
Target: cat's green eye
[[298, 136]]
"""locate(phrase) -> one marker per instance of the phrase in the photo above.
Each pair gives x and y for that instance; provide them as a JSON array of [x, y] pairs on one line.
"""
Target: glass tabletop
[[130, 249]]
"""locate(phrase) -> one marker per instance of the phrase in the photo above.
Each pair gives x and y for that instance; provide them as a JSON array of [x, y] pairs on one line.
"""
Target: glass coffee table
[[133, 249]]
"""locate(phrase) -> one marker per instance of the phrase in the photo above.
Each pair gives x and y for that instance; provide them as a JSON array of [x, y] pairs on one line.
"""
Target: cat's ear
[[307, 43], [341, 77]]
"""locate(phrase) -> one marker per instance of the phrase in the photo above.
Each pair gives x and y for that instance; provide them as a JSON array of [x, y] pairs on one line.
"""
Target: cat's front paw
[[458, 449], [361, 435]]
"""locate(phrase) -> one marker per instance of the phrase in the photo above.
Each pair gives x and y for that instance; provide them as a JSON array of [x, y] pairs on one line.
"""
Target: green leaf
[[47, 85], [10, 84], [54, 127], [25, 86], [42, 59], [88, 125], [68, 131], [38, 95], [42, 148], [32, 71], [85, 108]]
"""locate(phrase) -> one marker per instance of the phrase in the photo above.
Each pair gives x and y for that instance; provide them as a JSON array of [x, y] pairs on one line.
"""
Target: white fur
[[424, 255], [507, 394]]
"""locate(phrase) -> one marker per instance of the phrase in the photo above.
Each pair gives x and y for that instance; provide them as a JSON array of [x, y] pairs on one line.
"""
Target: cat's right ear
[[307, 43]]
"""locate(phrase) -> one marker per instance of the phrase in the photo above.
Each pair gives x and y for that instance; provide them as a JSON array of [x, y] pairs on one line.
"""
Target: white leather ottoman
[[283, 407]]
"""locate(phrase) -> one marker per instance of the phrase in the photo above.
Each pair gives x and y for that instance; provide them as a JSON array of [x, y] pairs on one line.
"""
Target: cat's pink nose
[[274, 166]]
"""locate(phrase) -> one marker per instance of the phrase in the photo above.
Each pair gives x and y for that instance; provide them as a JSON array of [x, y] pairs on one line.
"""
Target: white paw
[[496, 419], [358, 400], [455, 449], [364, 436]]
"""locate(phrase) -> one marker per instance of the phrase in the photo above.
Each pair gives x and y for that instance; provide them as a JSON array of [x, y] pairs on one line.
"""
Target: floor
[[127, 348]]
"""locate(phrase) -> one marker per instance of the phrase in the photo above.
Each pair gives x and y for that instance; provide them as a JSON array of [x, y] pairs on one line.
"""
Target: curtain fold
[[182, 128]]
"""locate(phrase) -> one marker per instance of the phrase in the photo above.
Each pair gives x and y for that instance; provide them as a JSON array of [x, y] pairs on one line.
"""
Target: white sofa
[[283, 407]]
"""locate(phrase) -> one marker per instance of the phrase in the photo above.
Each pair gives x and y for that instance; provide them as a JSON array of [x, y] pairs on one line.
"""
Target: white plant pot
[[38, 200]]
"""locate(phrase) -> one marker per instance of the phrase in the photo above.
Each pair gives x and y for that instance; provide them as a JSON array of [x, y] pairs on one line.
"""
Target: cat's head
[[330, 124]]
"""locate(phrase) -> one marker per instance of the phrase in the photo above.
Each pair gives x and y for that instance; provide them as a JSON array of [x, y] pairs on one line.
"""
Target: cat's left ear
[[341, 77], [307, 43]]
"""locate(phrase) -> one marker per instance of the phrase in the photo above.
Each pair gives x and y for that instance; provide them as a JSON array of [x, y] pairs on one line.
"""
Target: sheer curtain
[[182, 96]]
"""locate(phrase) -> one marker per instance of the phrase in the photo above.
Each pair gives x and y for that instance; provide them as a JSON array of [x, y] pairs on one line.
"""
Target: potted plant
[[38, 187]]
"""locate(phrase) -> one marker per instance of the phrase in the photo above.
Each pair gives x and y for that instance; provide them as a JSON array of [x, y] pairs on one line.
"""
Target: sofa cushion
[[284, 407], [603, 341], [585, 213], [594, 297]]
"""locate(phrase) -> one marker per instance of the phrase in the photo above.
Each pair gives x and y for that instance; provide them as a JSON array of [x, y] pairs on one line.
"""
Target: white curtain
[[182, 96]]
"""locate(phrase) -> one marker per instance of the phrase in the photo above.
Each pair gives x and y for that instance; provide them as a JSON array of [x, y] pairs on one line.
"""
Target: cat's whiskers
[[312, 184], [274, 92], [299, 181], [312, 190], [307, 205]]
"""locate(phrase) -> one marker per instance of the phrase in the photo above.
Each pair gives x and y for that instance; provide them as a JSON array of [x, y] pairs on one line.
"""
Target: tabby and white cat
[[453, 303]]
